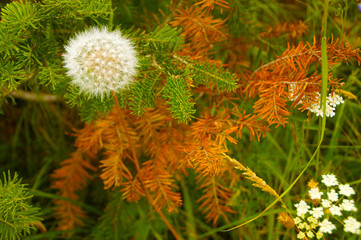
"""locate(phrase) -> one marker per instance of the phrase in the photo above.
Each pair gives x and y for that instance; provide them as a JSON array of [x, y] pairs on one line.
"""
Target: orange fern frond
[[150, 127], [71, 177], [272, 105], [113, 167], [132, 190], [200, 29], [114, 139], [236, 59], [293, 30], [214, 199], [206, 158], [256, 127], [288, 78], [89, 139], [209, 4], [159, 182]]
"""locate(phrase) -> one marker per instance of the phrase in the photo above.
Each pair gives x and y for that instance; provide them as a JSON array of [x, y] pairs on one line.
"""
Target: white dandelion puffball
[[99, 61]]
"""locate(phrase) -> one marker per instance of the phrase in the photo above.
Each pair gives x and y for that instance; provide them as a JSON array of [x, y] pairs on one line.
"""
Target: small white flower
[[297, 220], [329, 180], [315, 193], [352, 225], [302, 225], [326, 203], [312, 219], [346, 190], [335, 210], [92, 64], [310, 234], [332, 195], [302, 208], [348, 205], [317, 212], [326, 226], [333, 99], [301, 235], [319, 235]]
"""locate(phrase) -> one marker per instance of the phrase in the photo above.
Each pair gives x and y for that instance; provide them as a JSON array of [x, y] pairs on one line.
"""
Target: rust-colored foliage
[[166, 148], [70, 178], [288, 78], [235, 50], [209, 4], [214, 199], [154, 134], [206, 153], [73, 176], [293, 30], [200, 30]]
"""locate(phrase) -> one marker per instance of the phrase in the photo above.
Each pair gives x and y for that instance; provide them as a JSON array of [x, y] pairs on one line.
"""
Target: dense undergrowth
[[213, 129]]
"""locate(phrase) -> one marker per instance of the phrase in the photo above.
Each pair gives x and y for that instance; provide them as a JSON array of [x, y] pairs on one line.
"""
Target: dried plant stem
[[259, 183], [29, 96], [249, 174], [136, 162]]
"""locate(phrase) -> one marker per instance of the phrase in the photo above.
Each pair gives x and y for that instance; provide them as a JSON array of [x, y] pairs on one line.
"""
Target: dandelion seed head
[[99, 61]]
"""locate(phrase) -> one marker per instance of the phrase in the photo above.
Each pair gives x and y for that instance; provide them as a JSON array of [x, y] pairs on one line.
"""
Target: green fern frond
[[17, 216], [10, 76], [77, 9], [20, 16], [165, 39], [143, 93], [90, 108], [212, 76], [51, 74], [8, 41], [179, 98]]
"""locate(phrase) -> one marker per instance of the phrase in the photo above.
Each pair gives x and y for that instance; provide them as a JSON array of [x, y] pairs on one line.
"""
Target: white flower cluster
[[332, 100], [99, 61], [316, 221]]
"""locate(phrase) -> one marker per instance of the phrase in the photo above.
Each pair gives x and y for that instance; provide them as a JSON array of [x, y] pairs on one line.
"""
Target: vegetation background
[[208, 70]]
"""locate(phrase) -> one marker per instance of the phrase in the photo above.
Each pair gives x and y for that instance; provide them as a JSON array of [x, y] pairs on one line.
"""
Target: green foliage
[[144, 92], [21, 16], [165, 39], [17, 215], [210, 75], [35, 136], [179, 98], [10, 76], [77, 9]]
